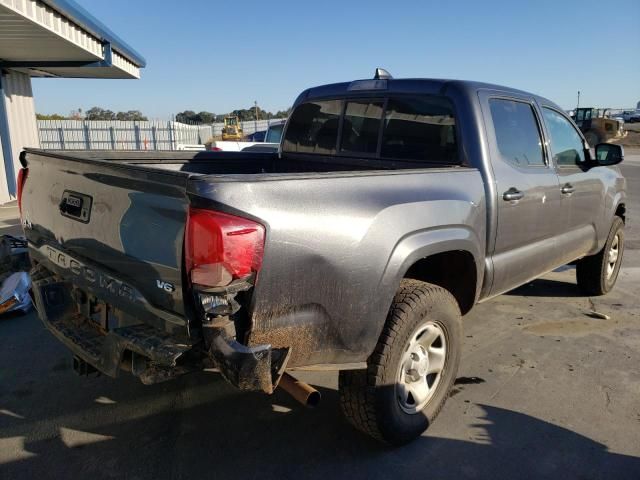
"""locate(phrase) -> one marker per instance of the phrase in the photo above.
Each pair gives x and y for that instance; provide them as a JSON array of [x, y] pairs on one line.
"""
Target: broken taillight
[[22, 178], [220, 248]]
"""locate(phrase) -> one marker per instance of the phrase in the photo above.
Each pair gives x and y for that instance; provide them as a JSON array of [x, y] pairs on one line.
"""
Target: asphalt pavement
[[544, 391]]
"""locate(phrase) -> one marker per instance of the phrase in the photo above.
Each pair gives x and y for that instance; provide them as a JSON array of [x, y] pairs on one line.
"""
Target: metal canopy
[[58, 38]]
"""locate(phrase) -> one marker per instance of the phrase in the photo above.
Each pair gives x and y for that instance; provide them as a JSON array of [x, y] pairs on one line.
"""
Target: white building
[[48, 38]]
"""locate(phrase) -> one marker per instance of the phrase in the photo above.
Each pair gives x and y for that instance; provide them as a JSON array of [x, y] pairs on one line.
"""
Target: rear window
[[361, 127], [313, 128], [411, 128], [420, 128]]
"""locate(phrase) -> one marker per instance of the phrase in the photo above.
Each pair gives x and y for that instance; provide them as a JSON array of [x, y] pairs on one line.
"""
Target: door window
[[566, 143], [517, 133]]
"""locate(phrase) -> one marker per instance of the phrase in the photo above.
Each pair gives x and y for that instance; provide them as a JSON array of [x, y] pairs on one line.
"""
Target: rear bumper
[[147, 352], [150, 348]]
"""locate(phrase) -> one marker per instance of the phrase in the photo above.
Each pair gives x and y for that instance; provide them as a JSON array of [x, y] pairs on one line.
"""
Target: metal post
[[255, 120], [170, 136], [136, 132], [112, 134], [154, 138], [61, 136], [87, 135], [5, 138], [578, 104]]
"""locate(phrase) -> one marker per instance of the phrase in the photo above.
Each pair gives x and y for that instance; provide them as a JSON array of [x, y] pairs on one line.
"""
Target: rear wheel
[[412, 368], [597, 274]]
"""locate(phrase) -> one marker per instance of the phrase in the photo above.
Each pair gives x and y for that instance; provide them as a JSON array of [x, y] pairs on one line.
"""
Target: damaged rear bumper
[[147, 352]]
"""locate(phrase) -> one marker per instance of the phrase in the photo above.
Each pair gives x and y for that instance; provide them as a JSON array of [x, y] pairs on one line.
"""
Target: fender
[[422, 244]]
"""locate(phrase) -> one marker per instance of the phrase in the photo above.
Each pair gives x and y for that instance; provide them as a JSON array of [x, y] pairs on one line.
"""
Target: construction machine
[[596, 126], [232, 129]]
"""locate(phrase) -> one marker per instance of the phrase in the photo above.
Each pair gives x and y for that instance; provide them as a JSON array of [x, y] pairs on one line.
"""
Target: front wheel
[[597, 274], [412, 369]]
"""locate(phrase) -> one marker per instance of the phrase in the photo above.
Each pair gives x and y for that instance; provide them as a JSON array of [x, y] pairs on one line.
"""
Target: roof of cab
[[432, 86]]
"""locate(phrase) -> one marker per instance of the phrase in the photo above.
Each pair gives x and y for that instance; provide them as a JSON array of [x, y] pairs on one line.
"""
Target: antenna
[[381, 74]]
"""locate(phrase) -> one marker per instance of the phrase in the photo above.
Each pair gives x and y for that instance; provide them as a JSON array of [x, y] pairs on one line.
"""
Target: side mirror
[[608, 154]]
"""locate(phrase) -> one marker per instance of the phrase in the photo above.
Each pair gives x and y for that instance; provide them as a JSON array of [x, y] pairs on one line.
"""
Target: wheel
[[597, 274], [412, 369]]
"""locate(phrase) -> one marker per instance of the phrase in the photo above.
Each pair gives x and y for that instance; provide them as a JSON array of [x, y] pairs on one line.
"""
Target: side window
[[361, 126], [517, 132], [313, 128], [566, 144], [274, 133], [421, 129]]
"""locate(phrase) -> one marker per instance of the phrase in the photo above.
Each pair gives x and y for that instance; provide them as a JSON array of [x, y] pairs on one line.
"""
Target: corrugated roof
[[84, 19], [60, 38]]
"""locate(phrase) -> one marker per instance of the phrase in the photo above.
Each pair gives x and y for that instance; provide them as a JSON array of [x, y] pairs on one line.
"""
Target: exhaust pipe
[[302, 392]]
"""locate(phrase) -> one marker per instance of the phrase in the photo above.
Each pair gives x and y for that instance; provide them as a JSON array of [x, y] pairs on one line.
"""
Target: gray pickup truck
[[391, 208]]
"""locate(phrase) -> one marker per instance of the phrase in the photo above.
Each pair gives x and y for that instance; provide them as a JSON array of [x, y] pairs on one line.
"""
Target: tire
[[596, 274], [375, 400]]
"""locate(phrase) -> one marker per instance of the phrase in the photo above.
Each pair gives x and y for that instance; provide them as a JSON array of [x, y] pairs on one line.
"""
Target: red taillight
[[22, 178], [220, 247]]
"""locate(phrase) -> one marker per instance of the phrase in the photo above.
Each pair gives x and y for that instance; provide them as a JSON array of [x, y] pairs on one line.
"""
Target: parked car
[[393, 207], [631, 116], [257, 136]]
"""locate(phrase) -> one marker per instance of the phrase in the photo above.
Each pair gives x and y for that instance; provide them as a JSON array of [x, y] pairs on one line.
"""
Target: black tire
[[592, 272], [369, 397]]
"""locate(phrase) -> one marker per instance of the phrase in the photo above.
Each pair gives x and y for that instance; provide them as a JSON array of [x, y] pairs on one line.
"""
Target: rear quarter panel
[[338, 245]]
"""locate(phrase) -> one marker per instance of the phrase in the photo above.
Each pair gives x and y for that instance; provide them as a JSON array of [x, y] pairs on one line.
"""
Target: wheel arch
[[449, 257]]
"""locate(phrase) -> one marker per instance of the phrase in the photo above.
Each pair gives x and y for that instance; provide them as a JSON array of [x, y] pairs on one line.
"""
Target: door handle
[[512, 194], [568, 189]]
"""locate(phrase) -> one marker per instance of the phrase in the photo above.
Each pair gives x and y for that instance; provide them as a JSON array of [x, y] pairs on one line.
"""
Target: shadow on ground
[[544, 287], [198, 427]]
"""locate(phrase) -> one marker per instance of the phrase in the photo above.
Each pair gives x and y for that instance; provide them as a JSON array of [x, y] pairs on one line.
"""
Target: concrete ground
[[544, 391]]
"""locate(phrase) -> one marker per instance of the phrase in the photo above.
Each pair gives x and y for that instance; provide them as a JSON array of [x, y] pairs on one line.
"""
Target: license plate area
[[76, 206], [99, 313]]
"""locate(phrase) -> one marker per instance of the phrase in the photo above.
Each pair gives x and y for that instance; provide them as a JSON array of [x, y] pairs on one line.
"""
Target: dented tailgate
[[112, 229]]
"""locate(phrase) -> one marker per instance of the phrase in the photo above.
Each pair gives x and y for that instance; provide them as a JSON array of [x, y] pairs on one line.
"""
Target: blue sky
[[207, 55]]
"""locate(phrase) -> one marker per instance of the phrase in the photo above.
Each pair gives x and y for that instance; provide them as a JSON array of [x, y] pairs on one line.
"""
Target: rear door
[[529, 206]]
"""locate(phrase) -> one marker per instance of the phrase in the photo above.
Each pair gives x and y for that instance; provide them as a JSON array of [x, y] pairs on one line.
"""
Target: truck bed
[[234, 163]]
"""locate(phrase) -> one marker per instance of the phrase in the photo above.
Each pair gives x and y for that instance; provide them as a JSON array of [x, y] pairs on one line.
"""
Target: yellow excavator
[[597, 126], [232, 129]]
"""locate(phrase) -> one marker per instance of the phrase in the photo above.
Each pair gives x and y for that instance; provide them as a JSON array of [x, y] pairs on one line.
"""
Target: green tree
[[53, 116], [97, 113]]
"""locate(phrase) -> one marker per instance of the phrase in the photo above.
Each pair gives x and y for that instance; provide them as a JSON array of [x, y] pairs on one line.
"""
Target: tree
[[206, 117], [130, 115], [244, 114], [53, 116], [97, 113]]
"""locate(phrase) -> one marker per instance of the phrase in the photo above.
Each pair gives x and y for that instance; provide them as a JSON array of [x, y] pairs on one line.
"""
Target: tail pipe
[[301, 391]]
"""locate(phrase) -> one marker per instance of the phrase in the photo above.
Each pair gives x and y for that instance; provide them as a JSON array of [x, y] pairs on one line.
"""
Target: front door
[[529, 203], [582, 188]]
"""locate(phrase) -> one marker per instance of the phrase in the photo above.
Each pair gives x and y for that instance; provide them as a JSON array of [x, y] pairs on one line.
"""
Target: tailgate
[[112, 229]]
